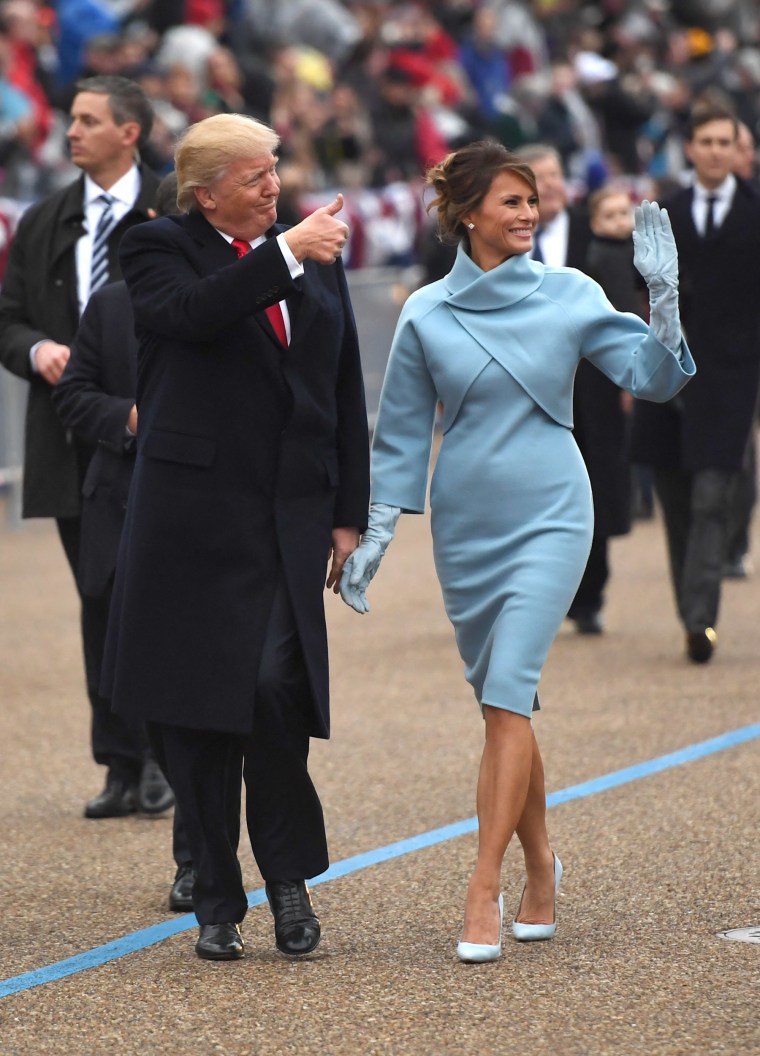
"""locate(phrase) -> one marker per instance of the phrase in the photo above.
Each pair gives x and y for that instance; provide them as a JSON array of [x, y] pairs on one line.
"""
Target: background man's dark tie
[[537, 254], [710, 216]]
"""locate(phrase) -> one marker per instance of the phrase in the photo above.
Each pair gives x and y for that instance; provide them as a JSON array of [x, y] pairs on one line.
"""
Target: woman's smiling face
[[504, 222]]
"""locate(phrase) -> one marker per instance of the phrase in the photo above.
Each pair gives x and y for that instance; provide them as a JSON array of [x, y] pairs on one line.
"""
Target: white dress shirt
[[723, 195], [554, 237], [124, 192]]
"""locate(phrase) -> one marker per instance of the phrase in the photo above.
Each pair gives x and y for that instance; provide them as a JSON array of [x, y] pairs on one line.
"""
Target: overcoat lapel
[[218, 253]]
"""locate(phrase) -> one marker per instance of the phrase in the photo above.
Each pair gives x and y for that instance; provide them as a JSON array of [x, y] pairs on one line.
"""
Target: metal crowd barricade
[[12, 407], [377, 296]]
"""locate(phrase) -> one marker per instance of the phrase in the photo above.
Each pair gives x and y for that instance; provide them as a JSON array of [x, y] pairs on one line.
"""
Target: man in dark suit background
[[738, 564], [697, 442], [599, 419], [95, 399], [63, 249], [251, 468]]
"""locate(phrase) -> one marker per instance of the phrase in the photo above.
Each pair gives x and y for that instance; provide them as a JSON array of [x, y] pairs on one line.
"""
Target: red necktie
[[274, 312]]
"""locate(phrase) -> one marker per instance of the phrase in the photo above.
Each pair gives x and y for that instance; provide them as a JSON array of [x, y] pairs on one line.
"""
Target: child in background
[[610, 253]]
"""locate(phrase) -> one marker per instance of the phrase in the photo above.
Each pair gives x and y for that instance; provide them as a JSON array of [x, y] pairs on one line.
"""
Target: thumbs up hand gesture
[[321, 236]]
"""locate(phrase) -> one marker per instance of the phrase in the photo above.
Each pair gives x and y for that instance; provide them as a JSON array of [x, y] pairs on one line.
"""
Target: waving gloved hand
[[364, 562], [654, 248], [656, 258]]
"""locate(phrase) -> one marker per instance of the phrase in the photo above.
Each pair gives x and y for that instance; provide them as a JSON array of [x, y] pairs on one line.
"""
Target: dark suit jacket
[[602, 427], [708, 424], [248, 455], [93, 399], [599, 423], [38, 301]]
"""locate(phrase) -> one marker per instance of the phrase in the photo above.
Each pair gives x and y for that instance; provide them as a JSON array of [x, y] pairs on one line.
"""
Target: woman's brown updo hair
[[461, 182]]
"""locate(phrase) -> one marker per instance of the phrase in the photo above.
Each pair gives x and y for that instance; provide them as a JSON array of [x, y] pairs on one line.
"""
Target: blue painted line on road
[[140, 940]]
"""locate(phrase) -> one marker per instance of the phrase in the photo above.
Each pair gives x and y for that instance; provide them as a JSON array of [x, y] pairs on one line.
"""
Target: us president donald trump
[[250, 491]]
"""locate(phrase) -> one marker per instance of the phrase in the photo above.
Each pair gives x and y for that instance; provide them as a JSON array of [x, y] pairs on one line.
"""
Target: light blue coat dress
[[512, 515]]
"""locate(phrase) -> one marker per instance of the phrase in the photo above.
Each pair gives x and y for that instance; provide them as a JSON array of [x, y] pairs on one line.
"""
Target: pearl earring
[[471, 227]]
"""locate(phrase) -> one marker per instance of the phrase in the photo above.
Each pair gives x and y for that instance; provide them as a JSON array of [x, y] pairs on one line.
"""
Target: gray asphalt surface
[[654, 869]]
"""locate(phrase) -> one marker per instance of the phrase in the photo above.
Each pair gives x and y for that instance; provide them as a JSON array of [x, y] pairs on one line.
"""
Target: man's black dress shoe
[[181, 894], [296, 925], [220, 942], [736, 567], [154, 795], [116, 800], [700, 645], [588, 623]]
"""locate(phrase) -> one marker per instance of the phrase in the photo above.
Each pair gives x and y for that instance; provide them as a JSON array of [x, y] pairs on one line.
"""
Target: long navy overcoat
[[248, 455]]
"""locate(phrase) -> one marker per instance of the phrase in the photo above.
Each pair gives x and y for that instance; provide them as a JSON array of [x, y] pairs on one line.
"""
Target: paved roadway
[[655, 867]]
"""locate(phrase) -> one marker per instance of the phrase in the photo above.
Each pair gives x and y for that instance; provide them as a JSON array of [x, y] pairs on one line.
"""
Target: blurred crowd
[[366, 93]]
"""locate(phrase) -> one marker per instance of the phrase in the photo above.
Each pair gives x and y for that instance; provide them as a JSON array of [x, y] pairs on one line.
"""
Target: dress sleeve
[[403, 434], [624, 348]]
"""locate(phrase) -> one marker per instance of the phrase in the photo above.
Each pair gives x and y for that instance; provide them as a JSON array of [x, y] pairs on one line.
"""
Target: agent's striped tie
[[99, 267]]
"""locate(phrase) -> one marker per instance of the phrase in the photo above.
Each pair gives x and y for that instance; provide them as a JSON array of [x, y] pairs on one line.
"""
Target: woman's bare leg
[[503, 786], [538, 899]]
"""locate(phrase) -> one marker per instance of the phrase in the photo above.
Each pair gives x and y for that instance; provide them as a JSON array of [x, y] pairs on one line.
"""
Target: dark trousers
[[115, 744], [283, 812], [742, 504], [589, 597], [696, 511]]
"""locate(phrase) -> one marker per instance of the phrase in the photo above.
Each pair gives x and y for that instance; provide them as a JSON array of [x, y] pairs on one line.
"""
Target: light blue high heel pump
[[475, 952], [538, 932]]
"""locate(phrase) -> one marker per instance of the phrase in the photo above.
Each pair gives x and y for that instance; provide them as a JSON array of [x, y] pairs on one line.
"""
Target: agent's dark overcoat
[[93, 399], [707, 425], [38, 302], [248, 455]]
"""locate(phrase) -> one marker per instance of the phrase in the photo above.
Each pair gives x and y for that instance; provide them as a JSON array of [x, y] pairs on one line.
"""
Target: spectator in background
[[405, 139], [737, 564], [233, 89], [486, 64], [28, 33], [78, 22], [343, 142], [18, 129], [745, 161]]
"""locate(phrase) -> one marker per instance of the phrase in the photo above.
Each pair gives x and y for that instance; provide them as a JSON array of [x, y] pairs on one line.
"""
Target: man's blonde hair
[[206, 149]]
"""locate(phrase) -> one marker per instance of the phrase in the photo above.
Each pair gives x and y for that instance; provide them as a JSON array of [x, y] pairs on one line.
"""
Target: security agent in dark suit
[[251, 469], [95, 399], [63, 248], [698, 441]]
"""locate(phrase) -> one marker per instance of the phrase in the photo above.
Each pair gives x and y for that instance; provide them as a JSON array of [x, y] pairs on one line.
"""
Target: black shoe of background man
[[587, 621], [700, 645], [296, 925], [181, 894], [736, 567], [117, 799], [154, 795], [220, 942]]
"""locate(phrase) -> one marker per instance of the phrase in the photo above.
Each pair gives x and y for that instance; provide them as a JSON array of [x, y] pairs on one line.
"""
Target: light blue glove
[[656, 258], [362, 564]]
